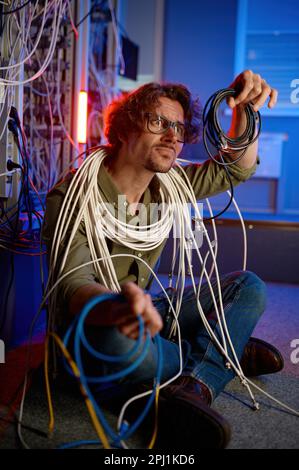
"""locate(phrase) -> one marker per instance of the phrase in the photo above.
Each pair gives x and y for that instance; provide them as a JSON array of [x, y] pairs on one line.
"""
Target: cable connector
[[256, 406], [13, 127], [223, 142], [124, 426], [10, 165], [14, 115]]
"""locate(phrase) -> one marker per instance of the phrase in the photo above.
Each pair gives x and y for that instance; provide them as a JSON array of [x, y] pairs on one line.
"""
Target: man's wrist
[[83, 294]]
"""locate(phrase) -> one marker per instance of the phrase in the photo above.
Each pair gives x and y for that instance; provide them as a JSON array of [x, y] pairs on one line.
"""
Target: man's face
[[157, 152]]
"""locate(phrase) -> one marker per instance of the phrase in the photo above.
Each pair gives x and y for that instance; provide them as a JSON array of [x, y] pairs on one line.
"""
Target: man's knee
[[251, 288], [254, 288]]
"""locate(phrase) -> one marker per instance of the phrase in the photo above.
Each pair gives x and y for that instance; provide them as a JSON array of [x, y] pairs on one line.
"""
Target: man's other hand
[[139, 303], [252, 88], [124, 314]]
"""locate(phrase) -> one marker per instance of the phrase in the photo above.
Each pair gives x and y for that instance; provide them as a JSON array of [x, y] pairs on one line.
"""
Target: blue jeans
[[244, 296]]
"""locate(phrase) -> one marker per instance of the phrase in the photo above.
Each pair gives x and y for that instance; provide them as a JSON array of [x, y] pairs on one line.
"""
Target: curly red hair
[[126, 114]]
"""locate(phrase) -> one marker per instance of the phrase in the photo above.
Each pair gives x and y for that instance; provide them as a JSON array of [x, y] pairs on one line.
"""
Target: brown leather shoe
[[186, 419], [260, 357], [186, 385]]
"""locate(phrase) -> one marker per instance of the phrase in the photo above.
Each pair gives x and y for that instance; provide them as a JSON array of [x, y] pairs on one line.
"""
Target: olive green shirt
[[207, 179]]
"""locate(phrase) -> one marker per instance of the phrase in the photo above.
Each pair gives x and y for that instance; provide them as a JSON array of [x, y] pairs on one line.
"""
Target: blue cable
[[94, 352], [119, 358], [140, 418], [79, 335], [84, 379], [71, 445], [114, 358]]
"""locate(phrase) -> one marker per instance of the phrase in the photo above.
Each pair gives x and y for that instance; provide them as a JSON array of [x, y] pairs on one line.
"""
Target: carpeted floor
[[272, 427]]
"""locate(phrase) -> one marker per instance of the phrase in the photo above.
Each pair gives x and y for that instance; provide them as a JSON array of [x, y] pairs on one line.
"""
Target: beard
[[160, 161]]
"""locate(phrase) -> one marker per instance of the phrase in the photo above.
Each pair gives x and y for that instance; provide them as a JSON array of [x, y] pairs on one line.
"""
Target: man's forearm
[[238, 126], [83, 295], [250, 88]]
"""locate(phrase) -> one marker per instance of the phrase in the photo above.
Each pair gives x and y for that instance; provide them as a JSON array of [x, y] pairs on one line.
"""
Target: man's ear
[[123, 139]]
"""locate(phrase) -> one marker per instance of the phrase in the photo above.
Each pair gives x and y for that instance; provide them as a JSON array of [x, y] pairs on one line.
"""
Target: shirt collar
[[111, 193]]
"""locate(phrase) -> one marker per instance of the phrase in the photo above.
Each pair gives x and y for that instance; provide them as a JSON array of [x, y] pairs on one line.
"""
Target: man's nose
[[170, 135]]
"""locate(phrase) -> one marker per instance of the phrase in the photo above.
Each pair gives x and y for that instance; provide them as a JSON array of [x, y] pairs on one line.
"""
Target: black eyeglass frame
[[172, 124]]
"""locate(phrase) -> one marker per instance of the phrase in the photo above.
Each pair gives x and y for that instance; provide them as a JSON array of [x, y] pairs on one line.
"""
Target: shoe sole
[[183, 425]]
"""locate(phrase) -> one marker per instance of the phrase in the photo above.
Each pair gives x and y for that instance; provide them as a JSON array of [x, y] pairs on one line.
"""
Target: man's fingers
[[273, 98], [125, 317], [141, 303], [244, 94], [128, 328], [252, 88], [267, 92], [230, 102], [261, 99], [247, 83], [135, 297]]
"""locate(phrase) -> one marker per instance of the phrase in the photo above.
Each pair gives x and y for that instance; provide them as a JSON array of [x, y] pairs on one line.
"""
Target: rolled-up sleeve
[[79, 252], [209, 178]]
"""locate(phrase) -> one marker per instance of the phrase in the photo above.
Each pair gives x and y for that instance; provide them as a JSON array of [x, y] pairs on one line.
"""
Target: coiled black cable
[[225, 145]]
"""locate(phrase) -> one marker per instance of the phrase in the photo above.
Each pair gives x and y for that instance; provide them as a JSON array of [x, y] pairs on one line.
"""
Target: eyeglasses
[[159, 125]]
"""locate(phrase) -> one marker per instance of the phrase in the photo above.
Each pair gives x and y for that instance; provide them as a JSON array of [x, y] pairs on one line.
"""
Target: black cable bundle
[[11, 236], [225, 145], [213, 132]]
